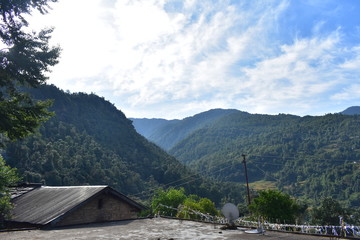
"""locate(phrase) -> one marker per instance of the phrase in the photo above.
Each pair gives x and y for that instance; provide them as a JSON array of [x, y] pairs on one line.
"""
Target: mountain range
[[354, 110], [89, 141], [310, 157]]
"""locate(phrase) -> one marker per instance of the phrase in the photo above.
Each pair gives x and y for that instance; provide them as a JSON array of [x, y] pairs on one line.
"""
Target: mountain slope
[[310, 157], [167, 133], [89, 141], [352, 110], [147, 127]]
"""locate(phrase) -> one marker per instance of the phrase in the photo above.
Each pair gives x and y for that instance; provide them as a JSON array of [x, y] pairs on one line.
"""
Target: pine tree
[[25, 58]]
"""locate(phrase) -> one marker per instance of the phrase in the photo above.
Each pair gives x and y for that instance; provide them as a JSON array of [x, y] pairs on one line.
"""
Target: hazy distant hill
[[147, 127], [89, 141], [352, 110], [167, 133]]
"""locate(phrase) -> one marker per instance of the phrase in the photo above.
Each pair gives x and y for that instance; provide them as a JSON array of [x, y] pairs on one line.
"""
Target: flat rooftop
[[155, 228]]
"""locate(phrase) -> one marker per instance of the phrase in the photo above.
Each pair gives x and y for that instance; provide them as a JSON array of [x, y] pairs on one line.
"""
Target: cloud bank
[[173, 59]]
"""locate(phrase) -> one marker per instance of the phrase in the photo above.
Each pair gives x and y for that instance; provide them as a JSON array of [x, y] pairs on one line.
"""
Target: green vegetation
[[89, 141], [329, 213], [310, 158], [8, 177], [262, 185], [168, 198], [25, 58], [174, 202], [275, 206], [307, 157]]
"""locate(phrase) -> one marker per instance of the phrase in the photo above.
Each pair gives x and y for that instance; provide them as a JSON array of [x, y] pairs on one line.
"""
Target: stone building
[[69, 205]]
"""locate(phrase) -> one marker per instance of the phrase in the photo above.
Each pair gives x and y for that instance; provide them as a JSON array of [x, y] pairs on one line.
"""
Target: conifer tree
[[24, 60]]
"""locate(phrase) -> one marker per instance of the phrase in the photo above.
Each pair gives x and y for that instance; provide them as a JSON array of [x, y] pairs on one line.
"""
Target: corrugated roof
[[21, 189], [44, 204]]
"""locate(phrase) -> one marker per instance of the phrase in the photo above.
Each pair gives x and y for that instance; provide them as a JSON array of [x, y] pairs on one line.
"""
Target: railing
[[344, 231]]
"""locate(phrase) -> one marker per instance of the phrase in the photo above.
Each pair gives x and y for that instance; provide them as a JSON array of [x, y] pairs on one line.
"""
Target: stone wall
[[104, 207]]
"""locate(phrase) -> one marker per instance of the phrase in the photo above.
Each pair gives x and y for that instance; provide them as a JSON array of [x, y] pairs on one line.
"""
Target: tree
[[274, 205], [170, 198], [8, 177], [194, 203], [328, 213], [25, 58], [174, 202]]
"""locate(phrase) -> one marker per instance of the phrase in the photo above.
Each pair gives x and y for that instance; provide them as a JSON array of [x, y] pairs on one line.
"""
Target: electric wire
[[150, 192], [200, 176]]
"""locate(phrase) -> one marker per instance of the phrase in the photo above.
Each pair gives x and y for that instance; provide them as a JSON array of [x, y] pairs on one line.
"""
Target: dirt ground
[[156, 228]]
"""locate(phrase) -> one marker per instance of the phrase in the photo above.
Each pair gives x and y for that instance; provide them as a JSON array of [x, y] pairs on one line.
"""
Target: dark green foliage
[[174, 202], [275, 206], [20, 116], [308, 157], [167, 198], [68, 157], [193, 205], [328, 213], [8, 177], [24, 61], [89, 141]]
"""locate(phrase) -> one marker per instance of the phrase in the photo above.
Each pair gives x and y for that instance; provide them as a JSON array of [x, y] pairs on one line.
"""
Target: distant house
[[69, 205]]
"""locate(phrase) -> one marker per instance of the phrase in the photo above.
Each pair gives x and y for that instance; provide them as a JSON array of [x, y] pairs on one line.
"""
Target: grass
[[262, 185]]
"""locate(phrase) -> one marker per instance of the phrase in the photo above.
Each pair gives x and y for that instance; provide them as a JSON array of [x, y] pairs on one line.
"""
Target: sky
[[176, 58]]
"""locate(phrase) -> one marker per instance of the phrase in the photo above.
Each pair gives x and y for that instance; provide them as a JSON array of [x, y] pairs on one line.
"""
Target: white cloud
[[152, 62], [297, 77], [351, 92]]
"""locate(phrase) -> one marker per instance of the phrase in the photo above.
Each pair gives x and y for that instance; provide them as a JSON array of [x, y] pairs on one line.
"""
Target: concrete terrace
[[156, 228]]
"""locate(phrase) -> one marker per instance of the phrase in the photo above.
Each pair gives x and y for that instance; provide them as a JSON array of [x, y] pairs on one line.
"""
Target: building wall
[[104, 207]]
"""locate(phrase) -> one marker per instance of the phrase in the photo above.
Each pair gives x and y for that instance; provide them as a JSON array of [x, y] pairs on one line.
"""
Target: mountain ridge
[[89, 141], [354, 110], [309, 157], [169, 132]]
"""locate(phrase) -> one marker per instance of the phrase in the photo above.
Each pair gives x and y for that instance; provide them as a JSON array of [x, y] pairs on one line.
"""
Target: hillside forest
[[89, 141], [310, 157], [55, 138]]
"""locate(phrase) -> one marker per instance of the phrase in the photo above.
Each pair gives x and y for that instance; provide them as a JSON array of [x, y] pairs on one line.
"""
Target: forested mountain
[[167, 133], [352, 110], [89, 141], [308, 157]]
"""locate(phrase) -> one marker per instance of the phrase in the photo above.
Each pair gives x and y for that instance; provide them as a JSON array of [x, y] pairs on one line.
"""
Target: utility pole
[[247, 180]]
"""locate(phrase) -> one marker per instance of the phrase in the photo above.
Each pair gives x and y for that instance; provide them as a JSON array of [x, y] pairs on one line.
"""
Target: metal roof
[[21, 189], [45, 204]]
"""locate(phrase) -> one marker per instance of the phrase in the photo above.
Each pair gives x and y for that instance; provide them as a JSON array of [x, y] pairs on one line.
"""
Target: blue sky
[[173, 59]]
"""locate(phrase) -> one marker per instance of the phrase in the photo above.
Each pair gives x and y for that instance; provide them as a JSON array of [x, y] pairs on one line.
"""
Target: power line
[[145, 193], [277, 157], [266, 174], [254, 162]]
